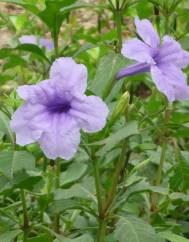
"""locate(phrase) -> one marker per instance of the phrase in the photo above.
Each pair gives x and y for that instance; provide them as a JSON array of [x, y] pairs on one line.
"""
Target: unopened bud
[[121, 107]]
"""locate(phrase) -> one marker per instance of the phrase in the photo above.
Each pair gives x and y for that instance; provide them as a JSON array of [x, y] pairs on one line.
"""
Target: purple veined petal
[[176, 77], [90, 112], [39, 93], [171, 51], [28, 122], [135, 49], [48, 44], [62, 138], [147, 32], [67, 75], [133, 70], [162, 83], [182, 93], [28, 39]]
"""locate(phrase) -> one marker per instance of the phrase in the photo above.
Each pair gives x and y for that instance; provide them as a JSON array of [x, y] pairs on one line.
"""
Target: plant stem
[[118, 19], [112, 191], [55, 35], [101, 218], [159, 177], [25, 214], [166, 23], [57, 185], [56, 47], [161, 163], [57, 181], [98, 186], [102, 230]]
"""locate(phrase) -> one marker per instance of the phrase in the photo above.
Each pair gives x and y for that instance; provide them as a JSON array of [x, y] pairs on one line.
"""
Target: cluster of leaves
[[151, 200]]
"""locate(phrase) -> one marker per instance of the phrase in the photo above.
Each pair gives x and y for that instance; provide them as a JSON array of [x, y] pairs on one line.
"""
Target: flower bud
[[120, 108]]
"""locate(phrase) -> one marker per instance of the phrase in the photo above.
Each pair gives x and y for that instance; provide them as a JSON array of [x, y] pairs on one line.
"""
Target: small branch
[[57, 185], [25, 214]]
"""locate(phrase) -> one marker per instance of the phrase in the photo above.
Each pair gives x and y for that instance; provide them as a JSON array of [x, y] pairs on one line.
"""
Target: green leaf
[[84, 190], [21, 179], [6, 52], [74, 172], [180, 179], [179, 196], [108, 67], [144, 9], [5, 126], [14, 161], [173, 237], [143, 186], [33, 49], [129, 130], [83, 238], [52, 16], [133, 229], [84, 48], [185, 42], [10, 235], [40, 238], [81, 5], [13, 62], [59, 206]]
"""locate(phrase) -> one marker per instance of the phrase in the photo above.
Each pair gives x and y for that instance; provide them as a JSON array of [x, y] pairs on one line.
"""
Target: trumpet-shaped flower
[[164, 61], [32, 39], [56, 109]]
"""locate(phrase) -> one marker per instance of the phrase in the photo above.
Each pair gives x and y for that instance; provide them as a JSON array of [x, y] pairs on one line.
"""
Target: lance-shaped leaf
[[109, 143], [14, 161], [133, 229]]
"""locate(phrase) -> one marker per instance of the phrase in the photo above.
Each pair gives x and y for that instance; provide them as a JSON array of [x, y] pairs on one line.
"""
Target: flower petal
[[147, 32], [28, 122], [67, 75], [135, 49], [182, 93], [39, 93], [177, 79], [133, 70], [48, 44], [28, 39], [90, 112], [171, 51], [62, 139], [162, 83]]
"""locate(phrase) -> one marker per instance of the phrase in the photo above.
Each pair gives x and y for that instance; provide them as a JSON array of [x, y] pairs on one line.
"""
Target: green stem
[[56, 47], [159, 177], [58, 166], [55, 35], [113, 188], [118, 19], [161, 163], [25, 214], [166, 23], [98, 185], [101, 217], [57, 185], [102, 230]]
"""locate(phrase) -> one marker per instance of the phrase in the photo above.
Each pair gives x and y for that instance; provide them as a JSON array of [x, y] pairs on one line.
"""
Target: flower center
[[59, 107]]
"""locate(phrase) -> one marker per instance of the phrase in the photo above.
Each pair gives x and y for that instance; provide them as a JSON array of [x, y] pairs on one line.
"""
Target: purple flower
[[48, 44], [32, 39], [28, 39], [164, 60], [56, 109]]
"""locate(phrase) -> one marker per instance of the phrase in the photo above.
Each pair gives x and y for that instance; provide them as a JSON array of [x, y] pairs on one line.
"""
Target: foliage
[[141, 159]]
